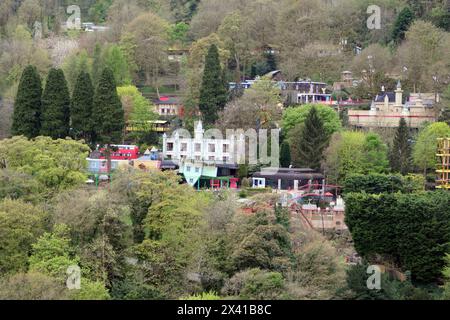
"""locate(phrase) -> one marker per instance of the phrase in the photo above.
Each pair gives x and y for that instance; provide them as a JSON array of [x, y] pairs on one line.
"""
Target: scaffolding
[[443, 165]]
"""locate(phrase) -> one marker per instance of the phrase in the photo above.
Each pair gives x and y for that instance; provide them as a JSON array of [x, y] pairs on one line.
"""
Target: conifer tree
[[285, 155], [108, 115], [401, 25], [401, 149], [27, 106], [313, 141], [55, 120], [81, 107], [213, 92], [97, 64]]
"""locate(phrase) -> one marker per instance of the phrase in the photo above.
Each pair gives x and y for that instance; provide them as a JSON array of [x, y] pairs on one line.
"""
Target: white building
[[201, 148]]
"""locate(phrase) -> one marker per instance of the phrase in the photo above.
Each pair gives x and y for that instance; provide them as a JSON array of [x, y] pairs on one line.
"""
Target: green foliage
[[285, 155], [376, 183], [52, 254], [256, 284], [400, 157], [108, 115], [55, 118], [27, 107], [213, 93], [32, 286], [401, 25], [410, 230], [56, 164], [297, 115], [425, 149], [203, 296], [20, 224], [115, 60], [15, 185], [312, 142], [178, 32], [90, 290], [352, 152], [81, 107], [136, 105], [74, 65], [266, 247]]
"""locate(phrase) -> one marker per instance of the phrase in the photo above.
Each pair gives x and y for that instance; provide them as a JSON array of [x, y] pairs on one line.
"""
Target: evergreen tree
[[27, 107], [271, 61], [81, 107], [213, 93], [401, 25], [313, 141], [108, 114], [401, 150], [96, 64], [285, 155], [55, 120]]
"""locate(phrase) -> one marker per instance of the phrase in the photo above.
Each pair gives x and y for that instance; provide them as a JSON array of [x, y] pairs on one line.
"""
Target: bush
[[410, 230]]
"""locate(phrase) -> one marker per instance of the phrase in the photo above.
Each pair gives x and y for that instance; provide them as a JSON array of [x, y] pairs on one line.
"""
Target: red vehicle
[[122, 152]]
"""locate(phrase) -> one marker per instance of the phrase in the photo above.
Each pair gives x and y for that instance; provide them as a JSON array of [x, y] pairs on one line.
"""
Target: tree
[[32, 286], [21, 225], [115, 60], [212, 92], [424, 151], [55, 119], [97, 64], [108, 114], [401, 25], [258, 108], [74, 65], [81, 107], [150, 36], [52, 254], [352, 152], [136, 106], [313, 141], [285, 155], [407, 230], [375, 154], [256, 284], [401, 149], [297, 115], [27, 107], [55, 164]]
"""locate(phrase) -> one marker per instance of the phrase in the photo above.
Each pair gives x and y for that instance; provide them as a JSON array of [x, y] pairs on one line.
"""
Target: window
[[211, 147], [225, 159], [225, 148], [188, 169], [170, 146], [183, 147], [198, 147], [197, 170], [198, 158], [211, 158]]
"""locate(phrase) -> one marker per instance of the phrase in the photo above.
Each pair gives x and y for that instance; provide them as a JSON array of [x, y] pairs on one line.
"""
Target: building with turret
[[389, 107]]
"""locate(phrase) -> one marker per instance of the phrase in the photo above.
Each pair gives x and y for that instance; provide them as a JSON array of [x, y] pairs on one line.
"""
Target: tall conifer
[[55, 120], [81, 107], [313, 141], [401, 149], [27, 106], [213, 92]]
